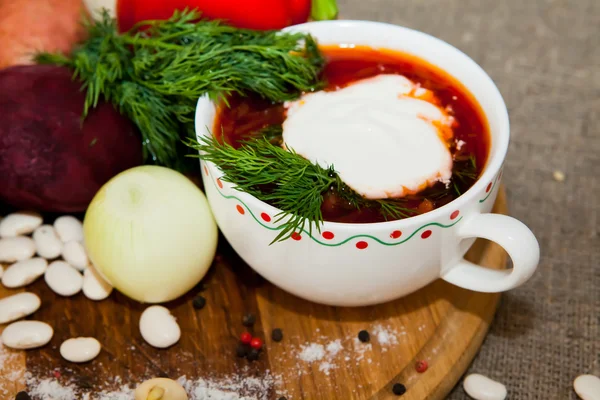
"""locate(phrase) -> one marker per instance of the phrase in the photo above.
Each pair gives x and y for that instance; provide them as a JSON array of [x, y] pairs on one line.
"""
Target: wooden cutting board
[[441, 324]]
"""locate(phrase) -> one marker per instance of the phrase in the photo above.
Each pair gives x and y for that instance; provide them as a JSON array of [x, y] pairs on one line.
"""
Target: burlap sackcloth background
[[544, 55]]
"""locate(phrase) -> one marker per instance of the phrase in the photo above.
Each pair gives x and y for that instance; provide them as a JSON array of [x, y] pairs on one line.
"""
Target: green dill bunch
[[285, 180], [155, 73]]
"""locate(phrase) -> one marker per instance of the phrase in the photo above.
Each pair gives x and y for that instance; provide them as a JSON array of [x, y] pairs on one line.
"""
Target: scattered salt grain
[[312, 352], [233, 387], [334, 347], [325, 367], [8, 360], [385, 336], [360, 349], [50, 389]]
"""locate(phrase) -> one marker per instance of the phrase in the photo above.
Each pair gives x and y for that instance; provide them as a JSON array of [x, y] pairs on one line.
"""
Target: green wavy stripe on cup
[[491, 190], [277, 228]]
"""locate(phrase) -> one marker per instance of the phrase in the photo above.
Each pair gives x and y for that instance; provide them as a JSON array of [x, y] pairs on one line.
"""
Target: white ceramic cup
[[363, 264]]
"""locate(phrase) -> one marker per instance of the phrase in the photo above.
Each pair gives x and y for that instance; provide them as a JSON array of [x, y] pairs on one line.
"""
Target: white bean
[[160, 389], [74, 253], [69, 228], [23, 273], [94, 286], [27, 334], [481, 387], [18, 306], [1, 270], [16, 249], [20, 223], [47, 242], [587, 387], [158, 327], [81, 349], [63, 279]]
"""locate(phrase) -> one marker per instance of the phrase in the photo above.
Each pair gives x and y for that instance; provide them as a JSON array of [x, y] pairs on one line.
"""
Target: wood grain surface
[[441, 324]]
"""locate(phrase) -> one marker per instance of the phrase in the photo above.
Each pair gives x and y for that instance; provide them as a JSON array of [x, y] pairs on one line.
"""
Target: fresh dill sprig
[[155, 73], [285, 180], [464, 174], [272, 133]]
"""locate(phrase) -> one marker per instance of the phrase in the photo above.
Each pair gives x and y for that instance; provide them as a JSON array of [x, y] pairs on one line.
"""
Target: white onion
[[150, 233]]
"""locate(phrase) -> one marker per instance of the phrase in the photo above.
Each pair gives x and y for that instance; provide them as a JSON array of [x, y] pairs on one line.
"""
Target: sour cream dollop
[[385, 136]]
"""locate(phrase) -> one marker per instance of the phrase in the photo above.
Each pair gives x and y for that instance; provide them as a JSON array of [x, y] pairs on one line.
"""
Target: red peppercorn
[[421, 366], [256, 343], [246, 338]]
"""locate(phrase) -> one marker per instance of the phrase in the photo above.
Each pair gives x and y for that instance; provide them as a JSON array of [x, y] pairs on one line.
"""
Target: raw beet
[[49, 160]]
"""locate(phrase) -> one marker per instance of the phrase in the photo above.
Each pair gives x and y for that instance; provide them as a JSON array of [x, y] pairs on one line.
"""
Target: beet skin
[[49, 160]]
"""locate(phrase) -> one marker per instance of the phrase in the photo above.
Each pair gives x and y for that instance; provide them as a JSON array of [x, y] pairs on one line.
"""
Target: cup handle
[[510, 233]]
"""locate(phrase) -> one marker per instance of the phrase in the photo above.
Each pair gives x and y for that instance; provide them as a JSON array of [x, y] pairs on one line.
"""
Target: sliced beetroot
[[49, 159]]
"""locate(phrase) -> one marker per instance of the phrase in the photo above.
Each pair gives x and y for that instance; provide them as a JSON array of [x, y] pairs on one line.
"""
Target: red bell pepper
[[251, 14]]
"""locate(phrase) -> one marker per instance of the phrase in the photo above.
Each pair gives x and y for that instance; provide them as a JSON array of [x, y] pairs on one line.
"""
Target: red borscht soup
[[245, 116]]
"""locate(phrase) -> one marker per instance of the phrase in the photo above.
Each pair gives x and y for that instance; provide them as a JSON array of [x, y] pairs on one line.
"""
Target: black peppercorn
[[242, 350], [282, 398], [253, 355], [399, 389], [248, 320], [22, 396], [199, 302], [277, 335], [364, 336]]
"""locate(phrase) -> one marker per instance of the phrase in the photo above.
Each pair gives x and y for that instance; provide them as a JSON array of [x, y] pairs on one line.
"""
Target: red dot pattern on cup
[[362, 245], [396, 234], [296, 236], [206, 170], [454, 214], [220, 183], [328, 235], [426, 234], [240, 209], [265, 217], [488, 188]]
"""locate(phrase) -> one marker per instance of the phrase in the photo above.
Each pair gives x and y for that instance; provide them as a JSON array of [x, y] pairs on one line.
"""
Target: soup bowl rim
[[494, 160]]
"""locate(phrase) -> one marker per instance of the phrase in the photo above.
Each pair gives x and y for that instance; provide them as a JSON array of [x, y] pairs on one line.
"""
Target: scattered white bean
[[160, 389], [27, 334], [63, 279], [69, 228], [587, 387], [47, 242], [20, 223], [481, 387], [16, 249], [18, 306], [23, 273], [74, 253], [94, 286], [158, 327], [79, 350]]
